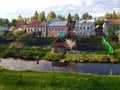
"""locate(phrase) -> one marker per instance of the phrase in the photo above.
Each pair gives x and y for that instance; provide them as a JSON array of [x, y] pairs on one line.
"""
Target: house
[[59, 46], [56, 28], [3, 31], [85, 27], [34, 26]]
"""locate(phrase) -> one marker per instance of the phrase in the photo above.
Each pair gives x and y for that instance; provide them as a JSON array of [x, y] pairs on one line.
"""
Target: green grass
[[33, 80]]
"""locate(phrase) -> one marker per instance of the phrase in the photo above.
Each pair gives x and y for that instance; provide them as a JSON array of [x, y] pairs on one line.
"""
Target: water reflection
[[42, 65]]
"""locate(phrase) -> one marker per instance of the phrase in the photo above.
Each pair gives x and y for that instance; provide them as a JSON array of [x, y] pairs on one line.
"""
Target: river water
[[42, 65]]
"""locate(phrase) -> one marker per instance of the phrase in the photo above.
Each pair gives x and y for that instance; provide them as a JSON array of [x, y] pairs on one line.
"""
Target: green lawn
[[33, 80]]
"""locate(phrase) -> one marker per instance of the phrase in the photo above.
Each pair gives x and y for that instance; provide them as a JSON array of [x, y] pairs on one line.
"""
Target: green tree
[[114, 15], [69, 17], [41, 16], [108, 16], [13, 22], [60, 17], [119, 36], [86, 16], [12, 28], [25, 38], [35, 15], [112, 28], [75, 17], [17, 32], [99, 21], [51, 15], [19, 18]]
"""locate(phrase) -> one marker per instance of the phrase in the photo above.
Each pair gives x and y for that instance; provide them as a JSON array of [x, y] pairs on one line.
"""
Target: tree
[[69, 17], [12, 28], [17, 32], [51, 15], [35, 15], [41, 16], [99, 21], [13, 22], [19, 18], [75, 17], [114, 16], [119, 36], [112, 29], [25, 38], [60, 17], [86, 16], [108, 16]]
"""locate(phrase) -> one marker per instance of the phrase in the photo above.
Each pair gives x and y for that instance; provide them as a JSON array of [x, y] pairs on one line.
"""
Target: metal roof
[[57, 23], [4, 29]]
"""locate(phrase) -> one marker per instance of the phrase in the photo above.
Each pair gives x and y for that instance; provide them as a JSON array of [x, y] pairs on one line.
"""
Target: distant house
[[34, 26], [85, 27], [59, 46], [3, 31], [56, 27]]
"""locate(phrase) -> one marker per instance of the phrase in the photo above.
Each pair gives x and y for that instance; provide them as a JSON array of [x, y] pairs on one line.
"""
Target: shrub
[[53, 56]]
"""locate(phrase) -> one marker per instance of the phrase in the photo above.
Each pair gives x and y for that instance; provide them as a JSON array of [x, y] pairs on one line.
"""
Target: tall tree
[[41, 16], [35, 15], [114, 15], [86, 16], [69, 17], [51, 15], [108, 16], [19, 18], [75, 17], [60, 17], [13, 22]]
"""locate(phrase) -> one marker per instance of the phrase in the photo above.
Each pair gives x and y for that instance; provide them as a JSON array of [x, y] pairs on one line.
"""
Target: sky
[[12, 8]]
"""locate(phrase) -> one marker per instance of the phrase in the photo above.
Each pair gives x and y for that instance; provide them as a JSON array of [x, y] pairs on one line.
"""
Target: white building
[[85, 27]]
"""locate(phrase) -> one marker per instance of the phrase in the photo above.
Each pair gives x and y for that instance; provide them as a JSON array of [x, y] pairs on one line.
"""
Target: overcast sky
[[12, 8]]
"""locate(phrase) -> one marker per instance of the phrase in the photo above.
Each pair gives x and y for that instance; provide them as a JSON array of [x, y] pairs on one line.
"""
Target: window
[[83, 27], [80, 27], [77, 27], [87, 27]]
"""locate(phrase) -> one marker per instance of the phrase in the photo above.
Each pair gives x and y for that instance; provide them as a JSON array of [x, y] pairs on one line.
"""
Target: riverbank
[[33, 80]]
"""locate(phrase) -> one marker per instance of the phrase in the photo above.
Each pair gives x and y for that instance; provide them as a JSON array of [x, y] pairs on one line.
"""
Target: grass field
[[33, 80]]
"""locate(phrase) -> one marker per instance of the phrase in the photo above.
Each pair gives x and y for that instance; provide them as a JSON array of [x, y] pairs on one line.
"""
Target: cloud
[[11, 9]]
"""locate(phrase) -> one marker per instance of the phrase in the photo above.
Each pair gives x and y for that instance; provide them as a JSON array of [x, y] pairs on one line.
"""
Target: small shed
[[59, 46]]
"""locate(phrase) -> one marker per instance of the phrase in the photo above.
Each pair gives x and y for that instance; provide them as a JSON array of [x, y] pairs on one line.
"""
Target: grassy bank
[[92, 58], [33, 80]]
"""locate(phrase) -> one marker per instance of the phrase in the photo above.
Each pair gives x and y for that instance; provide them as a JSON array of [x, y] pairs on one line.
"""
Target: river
[[42, 65]]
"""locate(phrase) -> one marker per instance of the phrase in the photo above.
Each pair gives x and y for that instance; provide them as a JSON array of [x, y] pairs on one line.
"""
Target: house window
[[83, 27], [87, 27], [78, 27]]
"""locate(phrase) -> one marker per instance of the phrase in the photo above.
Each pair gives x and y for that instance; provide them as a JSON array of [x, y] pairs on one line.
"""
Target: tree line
[[41, 17]]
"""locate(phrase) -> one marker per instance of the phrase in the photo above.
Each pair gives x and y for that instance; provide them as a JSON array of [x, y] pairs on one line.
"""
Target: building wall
[[85, 29], [30, 30], [54, 31]]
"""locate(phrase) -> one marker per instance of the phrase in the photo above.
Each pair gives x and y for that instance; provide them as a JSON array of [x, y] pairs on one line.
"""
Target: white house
[[85, 27]]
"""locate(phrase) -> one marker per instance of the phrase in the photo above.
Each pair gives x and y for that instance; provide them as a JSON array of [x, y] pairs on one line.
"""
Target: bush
[[53, 56], [32, 53]]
